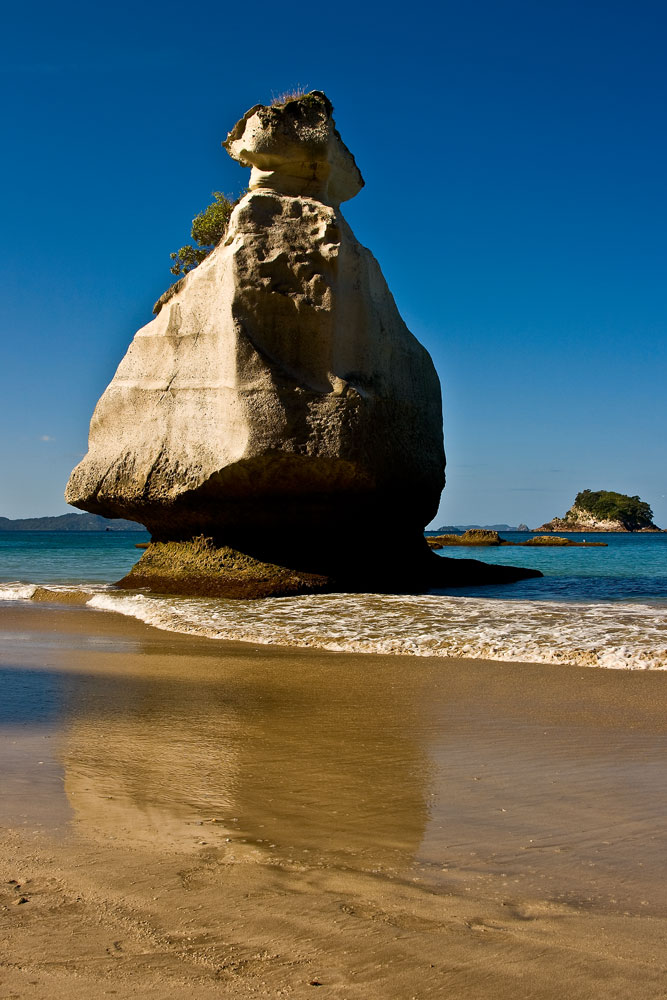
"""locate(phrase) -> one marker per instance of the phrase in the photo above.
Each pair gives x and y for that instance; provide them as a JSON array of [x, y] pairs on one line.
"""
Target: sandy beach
[[185, 817]]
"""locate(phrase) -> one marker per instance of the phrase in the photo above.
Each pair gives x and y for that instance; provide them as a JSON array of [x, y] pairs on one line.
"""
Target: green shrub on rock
[[632, 512], [208, 228]]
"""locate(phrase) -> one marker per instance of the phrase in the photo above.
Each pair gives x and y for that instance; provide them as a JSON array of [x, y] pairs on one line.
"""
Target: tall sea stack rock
[[277, 415]]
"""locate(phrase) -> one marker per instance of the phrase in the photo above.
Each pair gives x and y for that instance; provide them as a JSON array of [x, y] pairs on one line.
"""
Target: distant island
[[69, 522], [604, 510]]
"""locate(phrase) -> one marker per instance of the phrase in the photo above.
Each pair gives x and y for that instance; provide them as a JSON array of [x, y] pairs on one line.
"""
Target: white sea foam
[[26, 591], [609, 635], [613, 635], [17, 591]]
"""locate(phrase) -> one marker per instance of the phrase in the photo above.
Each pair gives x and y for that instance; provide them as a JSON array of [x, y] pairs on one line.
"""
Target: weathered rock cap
[[295, 149]]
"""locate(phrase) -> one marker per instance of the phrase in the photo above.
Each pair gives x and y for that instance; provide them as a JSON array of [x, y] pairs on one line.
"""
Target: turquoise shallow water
[[599, 607], [68, 557], [633, 567]]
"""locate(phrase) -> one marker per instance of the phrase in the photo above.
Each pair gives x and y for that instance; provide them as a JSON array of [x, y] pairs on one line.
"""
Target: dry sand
[[186, 818]]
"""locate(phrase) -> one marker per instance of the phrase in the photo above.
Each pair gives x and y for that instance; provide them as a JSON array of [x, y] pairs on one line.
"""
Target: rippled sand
[[195, 818]]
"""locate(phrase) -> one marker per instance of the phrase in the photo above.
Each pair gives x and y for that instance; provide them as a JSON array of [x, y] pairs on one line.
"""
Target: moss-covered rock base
[[199, 567]]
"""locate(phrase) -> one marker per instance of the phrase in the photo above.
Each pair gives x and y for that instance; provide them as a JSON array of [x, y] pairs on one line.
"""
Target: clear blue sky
[[515, 157]]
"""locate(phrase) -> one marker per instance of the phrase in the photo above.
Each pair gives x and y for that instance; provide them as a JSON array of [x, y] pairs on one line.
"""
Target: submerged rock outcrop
[[482, 537], [277, 406]]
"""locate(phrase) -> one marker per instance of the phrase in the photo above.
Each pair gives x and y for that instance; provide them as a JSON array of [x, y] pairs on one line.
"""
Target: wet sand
[[193, 818]]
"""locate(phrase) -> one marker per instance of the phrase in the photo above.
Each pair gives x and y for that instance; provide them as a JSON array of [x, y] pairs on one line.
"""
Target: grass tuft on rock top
[[296, 94]]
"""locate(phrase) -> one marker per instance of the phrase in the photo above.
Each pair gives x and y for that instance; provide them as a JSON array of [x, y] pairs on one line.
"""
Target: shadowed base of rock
[[199, 567]]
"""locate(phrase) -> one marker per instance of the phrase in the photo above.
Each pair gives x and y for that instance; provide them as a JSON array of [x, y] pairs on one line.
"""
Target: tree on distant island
[[606, 505], [208, 228]]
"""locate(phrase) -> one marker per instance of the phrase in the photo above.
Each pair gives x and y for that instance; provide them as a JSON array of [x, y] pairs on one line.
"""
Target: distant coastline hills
[[69, 522], [602, 510], [95, 522], [447, 529]]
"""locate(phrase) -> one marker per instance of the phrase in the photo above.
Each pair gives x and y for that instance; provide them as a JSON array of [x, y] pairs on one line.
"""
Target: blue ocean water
[[68, 557], [633, 567]]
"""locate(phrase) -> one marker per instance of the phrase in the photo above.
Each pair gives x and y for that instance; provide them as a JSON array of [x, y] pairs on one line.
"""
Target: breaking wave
[[17, 591], [611, 635]]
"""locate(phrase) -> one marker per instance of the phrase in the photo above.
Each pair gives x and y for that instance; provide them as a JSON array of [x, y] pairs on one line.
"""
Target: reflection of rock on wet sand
[[114, 795], [139, 768], [260, 730], [326, 762], [269, 758]]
